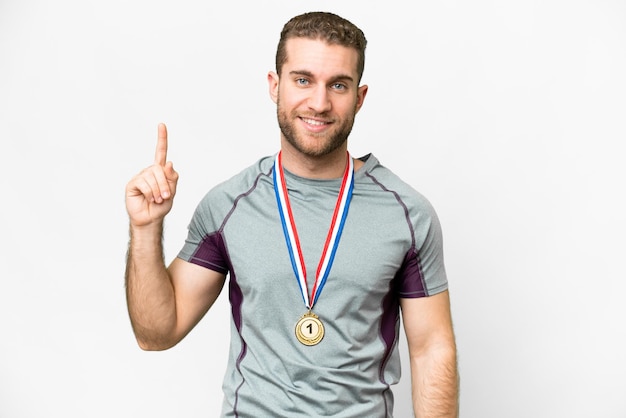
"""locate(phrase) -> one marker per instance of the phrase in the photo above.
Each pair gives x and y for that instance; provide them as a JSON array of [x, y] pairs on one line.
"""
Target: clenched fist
[[150, 194]]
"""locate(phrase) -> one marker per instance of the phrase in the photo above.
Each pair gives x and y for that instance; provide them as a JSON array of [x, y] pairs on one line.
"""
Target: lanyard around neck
[[291, 234]]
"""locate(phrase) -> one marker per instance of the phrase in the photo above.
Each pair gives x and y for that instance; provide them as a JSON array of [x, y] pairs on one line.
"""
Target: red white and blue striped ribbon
[[291, 233]]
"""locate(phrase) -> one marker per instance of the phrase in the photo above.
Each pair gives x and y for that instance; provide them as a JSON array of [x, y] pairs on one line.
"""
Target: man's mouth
[[314, 122]]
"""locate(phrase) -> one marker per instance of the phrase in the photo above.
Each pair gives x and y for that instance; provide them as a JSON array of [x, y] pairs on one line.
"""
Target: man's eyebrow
[[309, 74], [301, 72]]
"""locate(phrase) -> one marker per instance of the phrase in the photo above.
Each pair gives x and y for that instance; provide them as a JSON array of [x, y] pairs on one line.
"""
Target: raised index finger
[[160, 156]]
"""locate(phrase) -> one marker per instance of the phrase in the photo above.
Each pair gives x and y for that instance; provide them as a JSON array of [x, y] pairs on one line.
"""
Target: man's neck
[[330, 166]]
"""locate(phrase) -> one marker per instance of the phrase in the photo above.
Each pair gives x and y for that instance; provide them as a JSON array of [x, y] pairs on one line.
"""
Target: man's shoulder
[[385, 179], [223, 197], [245, 179]]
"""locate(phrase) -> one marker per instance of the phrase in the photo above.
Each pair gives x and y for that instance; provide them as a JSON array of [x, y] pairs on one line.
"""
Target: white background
[[508, 115]]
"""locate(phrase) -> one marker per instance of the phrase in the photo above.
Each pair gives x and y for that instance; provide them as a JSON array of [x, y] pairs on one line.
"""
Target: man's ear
[[360, 96], [272, 80]]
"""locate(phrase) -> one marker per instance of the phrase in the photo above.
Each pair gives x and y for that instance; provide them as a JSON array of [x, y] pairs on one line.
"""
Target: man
[[316, 344]]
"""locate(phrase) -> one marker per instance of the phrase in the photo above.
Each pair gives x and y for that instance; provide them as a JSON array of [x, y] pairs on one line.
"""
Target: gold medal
[[309, 329]]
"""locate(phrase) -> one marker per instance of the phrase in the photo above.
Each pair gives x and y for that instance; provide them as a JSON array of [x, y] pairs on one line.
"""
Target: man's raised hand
[[150, 194]]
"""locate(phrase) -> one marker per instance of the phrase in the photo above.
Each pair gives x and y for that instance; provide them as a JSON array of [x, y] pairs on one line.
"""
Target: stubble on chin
[[324, 143]]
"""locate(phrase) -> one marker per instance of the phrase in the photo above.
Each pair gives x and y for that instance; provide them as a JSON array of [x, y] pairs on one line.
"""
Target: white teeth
[[314, 122]]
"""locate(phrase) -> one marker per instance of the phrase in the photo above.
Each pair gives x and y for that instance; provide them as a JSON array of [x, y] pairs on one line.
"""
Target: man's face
[[317, 96]]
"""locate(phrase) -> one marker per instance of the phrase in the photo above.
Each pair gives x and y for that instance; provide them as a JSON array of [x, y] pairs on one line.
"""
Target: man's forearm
[[435, 384], [149, 291]]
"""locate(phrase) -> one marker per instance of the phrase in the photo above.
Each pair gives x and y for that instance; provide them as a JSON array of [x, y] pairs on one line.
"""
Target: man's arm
[[432, 352], [164, 304]]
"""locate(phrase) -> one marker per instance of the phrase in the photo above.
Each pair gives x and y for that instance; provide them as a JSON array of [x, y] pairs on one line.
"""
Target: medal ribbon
[[291, 234]]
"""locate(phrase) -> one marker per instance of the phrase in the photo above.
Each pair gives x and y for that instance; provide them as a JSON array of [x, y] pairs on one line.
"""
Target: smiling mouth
[[314, 122]]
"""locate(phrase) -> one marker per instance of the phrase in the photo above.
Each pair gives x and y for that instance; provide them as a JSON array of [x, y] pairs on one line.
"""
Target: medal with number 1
[[309, 328]]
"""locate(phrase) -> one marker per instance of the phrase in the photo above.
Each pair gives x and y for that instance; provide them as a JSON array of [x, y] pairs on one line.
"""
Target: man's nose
[[319, 101]]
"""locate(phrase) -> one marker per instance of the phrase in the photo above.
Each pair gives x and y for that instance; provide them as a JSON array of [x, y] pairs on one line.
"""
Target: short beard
[[335, 141]]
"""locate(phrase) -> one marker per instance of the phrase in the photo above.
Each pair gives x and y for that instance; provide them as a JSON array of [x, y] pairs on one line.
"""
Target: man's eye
[[302, 81], [338, 86]]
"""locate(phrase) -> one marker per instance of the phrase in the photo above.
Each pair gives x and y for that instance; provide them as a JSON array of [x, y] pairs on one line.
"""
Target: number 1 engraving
[[309, 329]]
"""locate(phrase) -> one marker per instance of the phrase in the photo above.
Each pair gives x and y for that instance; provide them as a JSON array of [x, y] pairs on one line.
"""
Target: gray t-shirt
[[390, 248]]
